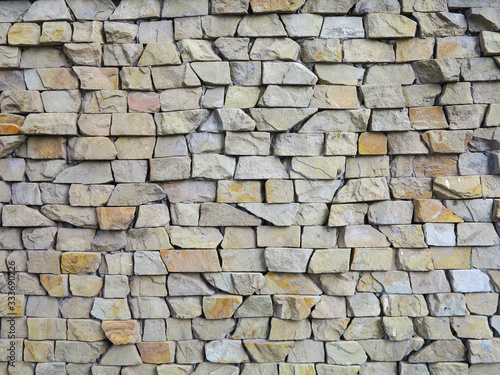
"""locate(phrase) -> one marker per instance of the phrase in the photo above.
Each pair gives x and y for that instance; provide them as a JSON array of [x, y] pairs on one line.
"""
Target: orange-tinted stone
[[435, 165], [372, 144], [80, 262], [9, 129], [220, 306], [433, 211], [122, 332], [411, 188], [157, 352], [115, 218], [10, 124], [427, 118], [191, 260], [239, 191], [46, 147], [55, 285]]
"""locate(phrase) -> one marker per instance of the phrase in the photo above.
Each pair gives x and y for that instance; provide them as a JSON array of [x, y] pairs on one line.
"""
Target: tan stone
[[157, 352], [85, 286], [122, 332], [335, 97], [220, 306], [115, 218], [191, 260], [239, 191], [464, 187], [56, 285], [46, 147], [92, 78], [414, 49], [442, 141], [372, 143], [435, 165], [422, 118], [80, 262], [433, 211], [24, 34], [294, 307], [10, 124], [265, 351], [85, 330], [39, 351], [91, 148], [451, 257], [56, 32]]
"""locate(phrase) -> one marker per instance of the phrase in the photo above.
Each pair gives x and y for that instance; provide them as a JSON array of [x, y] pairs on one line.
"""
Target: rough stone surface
[[249, 187]]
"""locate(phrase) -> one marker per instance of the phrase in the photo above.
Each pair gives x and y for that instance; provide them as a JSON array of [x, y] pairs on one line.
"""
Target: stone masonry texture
[[253, 187]]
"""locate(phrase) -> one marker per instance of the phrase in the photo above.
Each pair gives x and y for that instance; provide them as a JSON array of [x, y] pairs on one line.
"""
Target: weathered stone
[[264, 351], [115, 218], [441, 24], [23, 216], [490, 43], [379, 25], [457, 187], [275, 49], [441, 350], [121, 355], [365, 51], [345, 353], [414, 49], [191, 260], [404, 305], [363, 189], [122, 332]]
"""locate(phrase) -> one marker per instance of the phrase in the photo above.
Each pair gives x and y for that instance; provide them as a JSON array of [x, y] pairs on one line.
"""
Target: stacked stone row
[[249, 187]]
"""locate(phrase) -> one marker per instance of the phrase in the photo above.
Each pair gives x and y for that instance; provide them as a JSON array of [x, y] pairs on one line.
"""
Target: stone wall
[[249, 187]]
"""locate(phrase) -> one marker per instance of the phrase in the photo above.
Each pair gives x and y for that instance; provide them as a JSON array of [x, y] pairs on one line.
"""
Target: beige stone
[[122, 332]]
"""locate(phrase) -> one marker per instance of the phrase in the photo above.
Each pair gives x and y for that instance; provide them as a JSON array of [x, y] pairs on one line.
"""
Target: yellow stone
[[433, 211], [191, 260], [294, 307], [454, 258], [24, 34], [266, 351], [80, 262], [115, 218], [372, 144], [242, 96], [239, 191], [414, 49], [11, 305], [290, 283], [265, 6], [463, 187], [427, 118], [157, 352], [297, 369], [10, 124], [56, 32], [220, 306], [47, 147], [55, 285], [38, 351], [122, 332]]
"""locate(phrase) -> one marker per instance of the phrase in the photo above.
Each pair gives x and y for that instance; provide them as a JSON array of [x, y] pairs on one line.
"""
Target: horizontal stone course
[[249, 187]]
